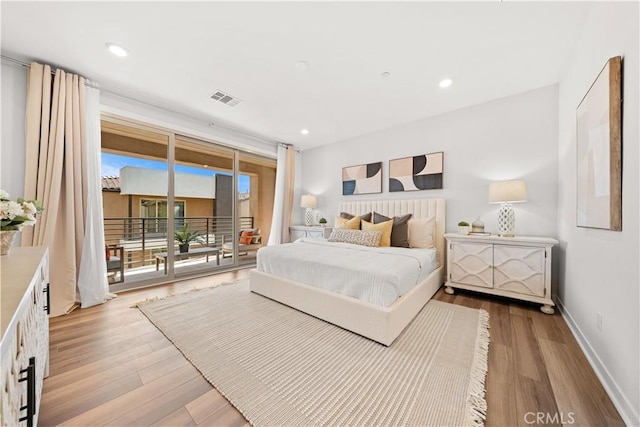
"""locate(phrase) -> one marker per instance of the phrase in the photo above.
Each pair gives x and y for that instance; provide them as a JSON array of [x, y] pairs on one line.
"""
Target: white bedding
[[377, 275]]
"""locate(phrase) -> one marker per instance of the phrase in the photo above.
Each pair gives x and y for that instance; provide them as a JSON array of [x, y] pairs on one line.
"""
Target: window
[[154, 214]]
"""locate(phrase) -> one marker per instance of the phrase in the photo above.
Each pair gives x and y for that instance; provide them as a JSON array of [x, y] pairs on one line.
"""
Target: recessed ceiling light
[[446, 83], [117, 50], [305, 131], [302, 65], [385, 74]]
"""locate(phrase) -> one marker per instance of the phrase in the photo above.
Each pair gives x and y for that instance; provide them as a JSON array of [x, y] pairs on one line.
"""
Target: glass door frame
[[235, 156], [171, 145]]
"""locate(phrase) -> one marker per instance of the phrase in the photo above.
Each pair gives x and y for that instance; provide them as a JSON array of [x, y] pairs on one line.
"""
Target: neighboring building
[[141, 193]]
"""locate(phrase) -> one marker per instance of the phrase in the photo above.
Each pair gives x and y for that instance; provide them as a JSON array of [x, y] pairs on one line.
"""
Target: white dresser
[[24, 324], [517, 267], [316, 232]]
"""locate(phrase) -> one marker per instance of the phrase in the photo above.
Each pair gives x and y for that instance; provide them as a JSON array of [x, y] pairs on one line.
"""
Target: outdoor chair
[[115, 262], [249, 239]]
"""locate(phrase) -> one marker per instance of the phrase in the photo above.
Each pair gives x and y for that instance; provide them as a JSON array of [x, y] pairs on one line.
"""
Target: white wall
[[599, 269], [514, 137], [14, 104]]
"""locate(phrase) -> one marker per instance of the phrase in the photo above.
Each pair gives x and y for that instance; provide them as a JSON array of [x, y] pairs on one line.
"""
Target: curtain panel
[[283, 197], [93, 285], [56, 173]]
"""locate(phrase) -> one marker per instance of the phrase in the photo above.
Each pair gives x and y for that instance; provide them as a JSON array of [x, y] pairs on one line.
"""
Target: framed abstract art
[[599, 151], [422, 172], [362, 179]]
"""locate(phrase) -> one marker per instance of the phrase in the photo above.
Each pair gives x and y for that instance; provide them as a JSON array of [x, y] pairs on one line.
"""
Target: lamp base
[[506, 220], [308, 217]]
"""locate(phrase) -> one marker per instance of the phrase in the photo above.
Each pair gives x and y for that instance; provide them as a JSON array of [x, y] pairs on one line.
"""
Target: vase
[[463, 229], [6, 240], [184, 248]]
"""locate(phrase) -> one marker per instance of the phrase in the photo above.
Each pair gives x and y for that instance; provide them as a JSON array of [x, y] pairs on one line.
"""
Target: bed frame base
[[381, 324]]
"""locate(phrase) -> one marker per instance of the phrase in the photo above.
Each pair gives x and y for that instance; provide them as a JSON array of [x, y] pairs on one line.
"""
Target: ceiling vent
[[225, 98]]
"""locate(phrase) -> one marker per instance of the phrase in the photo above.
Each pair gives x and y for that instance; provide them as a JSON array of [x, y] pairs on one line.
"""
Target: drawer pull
[[46, 290], [31, 391]]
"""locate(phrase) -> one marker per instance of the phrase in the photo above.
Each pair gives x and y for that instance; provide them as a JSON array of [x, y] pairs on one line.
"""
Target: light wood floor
[[111, 366]]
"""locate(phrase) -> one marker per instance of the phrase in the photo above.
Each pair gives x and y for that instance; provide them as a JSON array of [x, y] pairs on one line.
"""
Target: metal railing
[[142, 238]]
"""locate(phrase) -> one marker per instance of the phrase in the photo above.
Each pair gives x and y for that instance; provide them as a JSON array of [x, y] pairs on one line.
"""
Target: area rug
[[281, 367]]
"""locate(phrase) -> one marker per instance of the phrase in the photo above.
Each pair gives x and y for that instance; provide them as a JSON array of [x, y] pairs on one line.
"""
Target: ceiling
[[181, 52]]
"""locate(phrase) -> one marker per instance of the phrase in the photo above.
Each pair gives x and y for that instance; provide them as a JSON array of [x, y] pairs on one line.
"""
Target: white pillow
[[421, 232]]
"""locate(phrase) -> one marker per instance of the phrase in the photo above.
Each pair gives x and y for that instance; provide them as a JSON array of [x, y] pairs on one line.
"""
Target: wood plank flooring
[[111, 366]]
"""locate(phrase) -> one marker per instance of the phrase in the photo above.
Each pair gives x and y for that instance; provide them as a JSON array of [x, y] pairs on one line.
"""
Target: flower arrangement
[[17, 214]]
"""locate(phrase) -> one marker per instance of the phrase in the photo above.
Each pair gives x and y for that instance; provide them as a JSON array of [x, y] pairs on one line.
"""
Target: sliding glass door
[[204, 179], [135, 187], [256, 183], [176, 206]]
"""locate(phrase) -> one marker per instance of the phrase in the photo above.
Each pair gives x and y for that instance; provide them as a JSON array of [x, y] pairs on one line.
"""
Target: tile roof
[[110, 183]]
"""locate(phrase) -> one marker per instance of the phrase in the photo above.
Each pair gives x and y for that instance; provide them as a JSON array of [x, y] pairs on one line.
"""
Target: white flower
[[4, 209], [29, 208], [16, 214], [10, 209]]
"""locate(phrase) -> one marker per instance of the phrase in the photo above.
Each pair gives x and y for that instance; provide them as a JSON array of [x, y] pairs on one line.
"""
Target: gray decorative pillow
[[365, 217], [400, 230], [357, 237]]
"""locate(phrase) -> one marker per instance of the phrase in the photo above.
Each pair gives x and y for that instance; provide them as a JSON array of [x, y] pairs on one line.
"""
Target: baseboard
[[620, 401]]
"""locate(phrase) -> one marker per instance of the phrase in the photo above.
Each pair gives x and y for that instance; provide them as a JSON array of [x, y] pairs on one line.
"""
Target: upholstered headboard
[[419, 208]]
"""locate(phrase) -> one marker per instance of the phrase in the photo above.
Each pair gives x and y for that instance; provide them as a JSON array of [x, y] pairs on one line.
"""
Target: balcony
[[141, 239]]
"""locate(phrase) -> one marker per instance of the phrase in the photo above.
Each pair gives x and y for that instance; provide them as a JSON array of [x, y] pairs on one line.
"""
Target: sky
[[112, 163]]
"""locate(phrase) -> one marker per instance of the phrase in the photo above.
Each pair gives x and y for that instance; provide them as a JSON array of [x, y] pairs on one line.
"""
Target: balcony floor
[[183, 268]]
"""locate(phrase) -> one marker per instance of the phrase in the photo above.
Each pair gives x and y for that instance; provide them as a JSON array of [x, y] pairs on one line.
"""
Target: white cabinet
[[298, 231], [471, 264], [516, 267], [24, 323]]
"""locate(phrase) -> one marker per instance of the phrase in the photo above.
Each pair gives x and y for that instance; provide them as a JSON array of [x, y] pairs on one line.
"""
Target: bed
[[372, 320]]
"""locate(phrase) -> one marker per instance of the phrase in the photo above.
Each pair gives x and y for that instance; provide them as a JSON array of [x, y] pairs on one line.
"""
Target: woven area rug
[[281, 367]]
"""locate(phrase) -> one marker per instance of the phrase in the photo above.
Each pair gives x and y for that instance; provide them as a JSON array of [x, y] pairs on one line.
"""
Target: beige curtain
[[54, 175], [288, 192]]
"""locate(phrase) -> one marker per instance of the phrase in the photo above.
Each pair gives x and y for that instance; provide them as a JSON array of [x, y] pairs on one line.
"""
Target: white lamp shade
[[308, 201], [510, 191]]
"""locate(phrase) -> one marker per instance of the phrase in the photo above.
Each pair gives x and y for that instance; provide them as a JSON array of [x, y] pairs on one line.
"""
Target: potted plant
[[322, 222], [184, 237], [463, 227], [15, 216]]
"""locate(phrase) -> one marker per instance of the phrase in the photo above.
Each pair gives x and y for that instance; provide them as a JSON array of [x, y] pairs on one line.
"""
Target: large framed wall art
[[599, 150], [417, 172], [362, 179]]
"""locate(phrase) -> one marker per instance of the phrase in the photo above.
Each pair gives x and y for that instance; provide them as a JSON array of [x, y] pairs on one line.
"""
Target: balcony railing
[[142, 238]]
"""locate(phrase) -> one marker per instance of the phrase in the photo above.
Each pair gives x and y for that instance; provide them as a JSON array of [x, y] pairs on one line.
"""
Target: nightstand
[[314, 232], [516, 267]]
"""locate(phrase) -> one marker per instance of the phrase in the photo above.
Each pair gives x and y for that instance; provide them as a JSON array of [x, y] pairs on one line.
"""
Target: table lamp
[[506, 193], [309, 202]]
